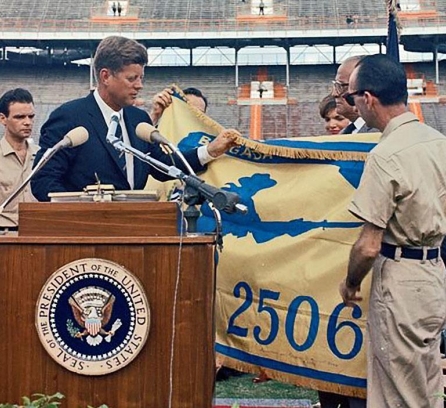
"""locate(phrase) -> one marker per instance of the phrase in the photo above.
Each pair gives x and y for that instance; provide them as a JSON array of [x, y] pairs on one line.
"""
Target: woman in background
[[334, 122]]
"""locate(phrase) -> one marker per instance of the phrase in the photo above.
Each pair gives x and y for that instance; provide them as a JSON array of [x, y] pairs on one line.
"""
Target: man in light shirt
[[401, 199], [17, 152]]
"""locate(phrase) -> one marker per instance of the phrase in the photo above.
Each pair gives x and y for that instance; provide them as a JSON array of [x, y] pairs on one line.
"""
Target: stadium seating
[[53, 85], [208, 15], [191, 15]]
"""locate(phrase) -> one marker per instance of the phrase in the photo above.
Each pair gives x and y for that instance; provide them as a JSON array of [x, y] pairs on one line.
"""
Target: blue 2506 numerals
[[266, 309]]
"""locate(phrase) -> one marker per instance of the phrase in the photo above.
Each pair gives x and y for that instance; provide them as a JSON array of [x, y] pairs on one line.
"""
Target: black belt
[[389, 251], [9, 228]]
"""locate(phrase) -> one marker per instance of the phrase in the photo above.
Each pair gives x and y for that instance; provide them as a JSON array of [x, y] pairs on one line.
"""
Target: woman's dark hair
[[327, 105]]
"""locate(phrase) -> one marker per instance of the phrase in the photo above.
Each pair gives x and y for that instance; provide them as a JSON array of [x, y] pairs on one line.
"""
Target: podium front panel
[[149, 380]]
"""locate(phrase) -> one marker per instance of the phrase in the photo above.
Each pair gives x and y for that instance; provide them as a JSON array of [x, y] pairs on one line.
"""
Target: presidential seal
[[92, 316]]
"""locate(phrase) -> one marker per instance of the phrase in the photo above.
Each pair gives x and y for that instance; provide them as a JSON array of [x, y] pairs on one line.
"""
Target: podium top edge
[[13, 238]]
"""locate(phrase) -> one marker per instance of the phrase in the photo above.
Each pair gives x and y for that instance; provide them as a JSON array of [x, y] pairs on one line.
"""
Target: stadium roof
[[217, 23], [414, 39]]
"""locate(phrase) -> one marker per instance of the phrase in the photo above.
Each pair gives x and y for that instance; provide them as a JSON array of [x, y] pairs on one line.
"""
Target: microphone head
[[144, 131], [77, 136]]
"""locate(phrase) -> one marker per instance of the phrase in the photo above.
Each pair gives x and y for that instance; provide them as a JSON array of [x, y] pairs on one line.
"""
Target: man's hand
[[222, 143], [362, 256], [160, 102], [350, 295]]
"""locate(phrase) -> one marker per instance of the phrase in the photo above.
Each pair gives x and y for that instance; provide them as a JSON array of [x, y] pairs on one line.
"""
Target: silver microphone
[[151, 134], [73, 138], [112, 128]]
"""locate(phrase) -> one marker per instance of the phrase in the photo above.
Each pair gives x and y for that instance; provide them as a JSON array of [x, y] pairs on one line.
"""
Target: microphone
[[112, 128], [75, 137], [226, 201], [221, 199], [151, 134]]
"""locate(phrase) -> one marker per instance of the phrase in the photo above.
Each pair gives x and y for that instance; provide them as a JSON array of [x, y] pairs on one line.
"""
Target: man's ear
[[369, 99], [3, 119], [104, 75]]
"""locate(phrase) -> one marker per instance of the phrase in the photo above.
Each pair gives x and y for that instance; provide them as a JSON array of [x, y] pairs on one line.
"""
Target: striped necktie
[[121, 157]]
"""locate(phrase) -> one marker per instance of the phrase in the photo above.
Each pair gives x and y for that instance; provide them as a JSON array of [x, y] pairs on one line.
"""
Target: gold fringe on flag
[[271, 150]]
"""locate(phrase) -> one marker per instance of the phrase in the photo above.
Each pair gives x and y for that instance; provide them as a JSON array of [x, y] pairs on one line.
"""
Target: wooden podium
[[176, 365]]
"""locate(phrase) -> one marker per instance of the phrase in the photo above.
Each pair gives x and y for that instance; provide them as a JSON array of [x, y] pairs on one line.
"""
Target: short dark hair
[[116, 52], [327, 105], [19, 95], [198, 93], [383, 77]]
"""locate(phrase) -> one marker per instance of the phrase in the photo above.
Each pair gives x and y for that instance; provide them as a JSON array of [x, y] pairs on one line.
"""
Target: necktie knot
[[350, 128]]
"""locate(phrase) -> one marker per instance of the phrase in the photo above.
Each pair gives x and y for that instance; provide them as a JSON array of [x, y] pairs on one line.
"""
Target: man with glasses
[[340, 87], [356, 125], [402, 201]]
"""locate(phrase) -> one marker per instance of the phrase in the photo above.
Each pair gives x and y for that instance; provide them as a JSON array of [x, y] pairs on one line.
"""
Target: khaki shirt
[[12, 174], [403, 187]]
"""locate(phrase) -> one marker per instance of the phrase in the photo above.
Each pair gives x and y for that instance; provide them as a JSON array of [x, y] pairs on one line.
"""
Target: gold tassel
[[271, 150]]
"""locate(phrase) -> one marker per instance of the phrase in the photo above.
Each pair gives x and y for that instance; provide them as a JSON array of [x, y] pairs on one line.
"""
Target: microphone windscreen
[[77, 136], [144, 131]]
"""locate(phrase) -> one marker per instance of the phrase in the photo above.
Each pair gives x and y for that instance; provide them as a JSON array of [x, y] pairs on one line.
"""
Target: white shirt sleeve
[[203, 155]]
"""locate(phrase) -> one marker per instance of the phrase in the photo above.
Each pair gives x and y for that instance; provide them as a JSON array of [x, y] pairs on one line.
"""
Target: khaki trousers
[[407, 312]]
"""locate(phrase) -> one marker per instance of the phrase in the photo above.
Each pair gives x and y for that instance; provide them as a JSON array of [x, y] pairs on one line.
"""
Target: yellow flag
[[278, 308]]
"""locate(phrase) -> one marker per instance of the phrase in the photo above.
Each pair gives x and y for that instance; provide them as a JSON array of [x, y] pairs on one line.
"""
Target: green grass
[[243, 387]]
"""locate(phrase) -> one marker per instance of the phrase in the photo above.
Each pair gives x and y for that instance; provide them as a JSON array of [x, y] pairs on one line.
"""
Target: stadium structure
[[42, 40]]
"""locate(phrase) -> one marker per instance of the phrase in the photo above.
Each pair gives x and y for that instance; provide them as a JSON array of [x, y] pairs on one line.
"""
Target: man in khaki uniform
[[16, 152], [402, 200]]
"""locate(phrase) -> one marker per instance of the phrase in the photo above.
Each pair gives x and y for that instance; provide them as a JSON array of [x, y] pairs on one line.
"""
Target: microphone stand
[[197, 190], [177, 151], [43, 160]]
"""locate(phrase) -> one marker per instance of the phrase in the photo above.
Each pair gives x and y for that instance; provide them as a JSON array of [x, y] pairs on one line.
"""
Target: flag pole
[[393, 29]]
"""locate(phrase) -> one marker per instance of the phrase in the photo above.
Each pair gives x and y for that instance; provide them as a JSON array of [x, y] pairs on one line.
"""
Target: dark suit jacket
[[367, 129], [363, 129], [73, 169]]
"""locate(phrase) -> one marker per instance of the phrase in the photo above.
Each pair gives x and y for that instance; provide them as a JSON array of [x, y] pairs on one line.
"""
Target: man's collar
[[359, 123], [398, 121], [107, 112], [6, 147]]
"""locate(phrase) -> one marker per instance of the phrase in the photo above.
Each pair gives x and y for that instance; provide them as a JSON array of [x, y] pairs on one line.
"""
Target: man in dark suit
[[340, 88], [356, 125], [119, 68]]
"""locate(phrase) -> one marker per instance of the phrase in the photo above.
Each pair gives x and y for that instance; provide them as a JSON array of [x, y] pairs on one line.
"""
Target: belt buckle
[[424, 258], [398, 251]]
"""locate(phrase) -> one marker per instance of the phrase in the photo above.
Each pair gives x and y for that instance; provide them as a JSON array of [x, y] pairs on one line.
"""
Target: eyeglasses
[[339, 87], [349, 97]]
